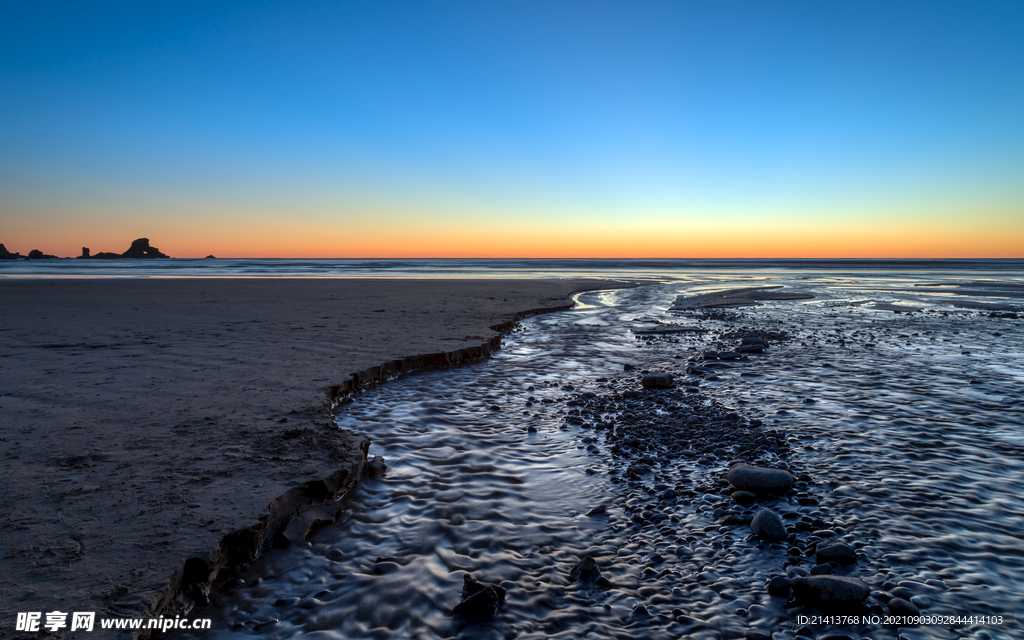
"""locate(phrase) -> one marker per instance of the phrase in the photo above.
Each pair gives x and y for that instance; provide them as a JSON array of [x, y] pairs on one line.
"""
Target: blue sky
[[324, 127]]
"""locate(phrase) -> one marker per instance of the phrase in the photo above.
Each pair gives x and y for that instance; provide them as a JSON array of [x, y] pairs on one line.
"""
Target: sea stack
[[140, 249]]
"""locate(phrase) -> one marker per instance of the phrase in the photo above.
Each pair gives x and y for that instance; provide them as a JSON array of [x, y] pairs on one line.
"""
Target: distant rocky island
[[139, 250]]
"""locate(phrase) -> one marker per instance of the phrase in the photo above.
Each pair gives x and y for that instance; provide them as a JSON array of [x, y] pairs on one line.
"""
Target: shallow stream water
[[907, 430]]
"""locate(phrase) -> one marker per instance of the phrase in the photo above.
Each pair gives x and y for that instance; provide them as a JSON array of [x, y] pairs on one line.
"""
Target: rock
[[36, 254], [599, 510], [830, 591], [639, 611], [821, 569], [729, 355], [752, 339], [900, 607], [7, 255], [140, 249], [657, 381], [480, 601], [85, 252], [375, 468], [839, 552], [746, 477], [744, 497], [778, 586], [585, 571], [625, 367], [750, 348], [757, 634], [211, 257], [767, 525]]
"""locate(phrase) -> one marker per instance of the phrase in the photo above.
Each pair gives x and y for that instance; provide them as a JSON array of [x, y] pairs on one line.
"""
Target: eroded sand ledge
[[150, 421]]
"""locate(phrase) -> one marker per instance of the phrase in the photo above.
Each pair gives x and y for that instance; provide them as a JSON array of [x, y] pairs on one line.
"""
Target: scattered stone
[[901, 607], [821, 569], [767, 525], [586, 571], [747, 477], [778, 586], [480, 601], [744, 497], [599, 510], [830, 591], [657, 381], [839, 552]]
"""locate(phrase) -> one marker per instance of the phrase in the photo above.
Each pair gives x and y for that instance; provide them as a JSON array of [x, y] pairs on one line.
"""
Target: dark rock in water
[[375, 468], [778, 586], [821, 569], [107, 255], [480, 601], [36, 254], [599, 510], [839, 552], [746, 477], [628, 367], [750, 348], [85, 252], [394, 559], [640, 611], [752, 339], [140, 249], [900, 607], [767, 525], [729, 355], [586, 571], [384, 568], [657, 381], [830, 591], [472, 586], [211, 257], [757, 634], [744, 497]]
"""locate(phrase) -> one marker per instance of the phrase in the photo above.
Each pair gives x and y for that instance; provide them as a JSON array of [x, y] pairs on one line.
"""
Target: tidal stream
[[904, 425]]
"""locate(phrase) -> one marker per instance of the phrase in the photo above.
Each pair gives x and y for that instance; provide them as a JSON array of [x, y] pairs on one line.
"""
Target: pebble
[[778, 586], [585, 571], [747, 477], [744, 497], [900, 607], [768, 525], [480, 601], [657, 381], [839, 552], [829, 591]]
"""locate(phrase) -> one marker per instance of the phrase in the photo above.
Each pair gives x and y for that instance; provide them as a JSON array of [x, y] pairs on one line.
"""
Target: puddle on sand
[[905, 459]]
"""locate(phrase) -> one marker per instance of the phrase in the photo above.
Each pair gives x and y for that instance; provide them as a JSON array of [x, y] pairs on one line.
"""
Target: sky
[[514, 129]]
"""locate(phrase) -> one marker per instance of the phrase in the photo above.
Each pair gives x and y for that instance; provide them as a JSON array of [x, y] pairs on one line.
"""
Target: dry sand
[[143, 419]]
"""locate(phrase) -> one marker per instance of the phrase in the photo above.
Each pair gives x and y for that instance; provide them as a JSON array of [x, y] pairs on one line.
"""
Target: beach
[[145, 419]]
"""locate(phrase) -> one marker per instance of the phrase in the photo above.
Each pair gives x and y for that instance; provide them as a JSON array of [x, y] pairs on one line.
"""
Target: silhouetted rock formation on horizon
[[7, 255], [140, 249], [36, 254]]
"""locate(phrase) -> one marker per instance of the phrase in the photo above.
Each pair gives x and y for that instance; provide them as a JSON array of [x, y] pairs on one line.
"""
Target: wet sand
[[145, 419]]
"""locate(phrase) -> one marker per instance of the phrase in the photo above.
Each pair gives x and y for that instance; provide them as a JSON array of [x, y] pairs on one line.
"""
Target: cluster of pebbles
[[664, 439]]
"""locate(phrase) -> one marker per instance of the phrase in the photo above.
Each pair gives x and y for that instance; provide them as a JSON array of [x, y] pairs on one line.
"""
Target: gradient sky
[[514, 129]]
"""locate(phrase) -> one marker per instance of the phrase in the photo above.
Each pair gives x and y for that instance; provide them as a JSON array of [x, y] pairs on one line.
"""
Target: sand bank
[[146, 419]]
